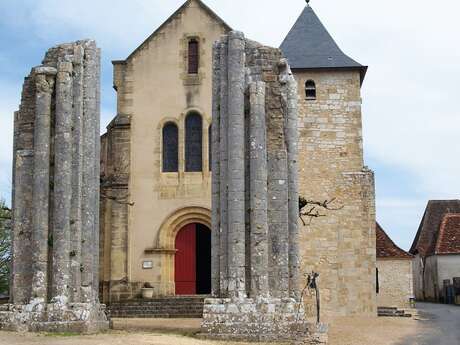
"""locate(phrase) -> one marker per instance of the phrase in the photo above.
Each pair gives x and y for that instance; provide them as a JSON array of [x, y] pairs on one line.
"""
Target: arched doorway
[[192, 264]]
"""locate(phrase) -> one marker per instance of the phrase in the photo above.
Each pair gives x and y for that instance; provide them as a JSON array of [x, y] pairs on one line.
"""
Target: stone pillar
[[62, 183], [258, 190], [77, 163], [236, 165], [56, 196], [215, 169], [22, 207], [89, 179], [289, 92], [223, 163], [97, 174], [255, 181], [44, 83]]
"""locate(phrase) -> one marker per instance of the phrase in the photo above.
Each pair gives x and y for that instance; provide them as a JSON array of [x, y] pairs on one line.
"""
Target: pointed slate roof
[[386, 248], [310, 46], [427, 234]]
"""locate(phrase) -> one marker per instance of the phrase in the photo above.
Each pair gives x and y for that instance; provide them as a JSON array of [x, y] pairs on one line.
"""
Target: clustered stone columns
[[255, 260], [55, 283]]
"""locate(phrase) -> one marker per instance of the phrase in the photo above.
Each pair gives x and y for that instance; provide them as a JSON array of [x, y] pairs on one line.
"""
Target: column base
[[82, 318], [261, 319]]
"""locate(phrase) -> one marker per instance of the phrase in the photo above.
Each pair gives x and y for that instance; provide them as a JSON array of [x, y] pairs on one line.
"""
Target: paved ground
[[437, 324], [434, 324]]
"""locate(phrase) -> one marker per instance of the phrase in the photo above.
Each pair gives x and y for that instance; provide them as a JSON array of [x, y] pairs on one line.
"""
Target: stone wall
[[395, 283], [340, 246]]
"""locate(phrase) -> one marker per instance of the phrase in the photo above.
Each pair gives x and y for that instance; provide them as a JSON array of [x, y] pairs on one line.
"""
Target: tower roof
[[310, 46]]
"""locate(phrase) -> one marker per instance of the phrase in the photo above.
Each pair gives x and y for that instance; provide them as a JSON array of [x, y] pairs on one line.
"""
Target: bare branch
[[309, 208]]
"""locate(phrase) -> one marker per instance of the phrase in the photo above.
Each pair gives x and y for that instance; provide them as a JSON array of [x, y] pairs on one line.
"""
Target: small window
[[193, 56], [193, 142], [170, 147], [377, 283], [210, 146], [310, 89]]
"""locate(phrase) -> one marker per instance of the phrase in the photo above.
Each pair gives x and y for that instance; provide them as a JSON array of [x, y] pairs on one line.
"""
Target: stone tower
[[255, 258], [341, 245], [55, 282]]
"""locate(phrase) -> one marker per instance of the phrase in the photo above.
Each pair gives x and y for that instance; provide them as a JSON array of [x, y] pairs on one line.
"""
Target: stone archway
[[165, 241]]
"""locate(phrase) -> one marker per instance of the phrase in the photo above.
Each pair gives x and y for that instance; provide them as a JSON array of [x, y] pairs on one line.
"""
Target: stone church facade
[[155, 165]]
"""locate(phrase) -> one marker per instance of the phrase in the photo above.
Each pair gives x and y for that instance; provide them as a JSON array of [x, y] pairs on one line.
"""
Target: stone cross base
[[82, 318], [261, 319], [317, 334]]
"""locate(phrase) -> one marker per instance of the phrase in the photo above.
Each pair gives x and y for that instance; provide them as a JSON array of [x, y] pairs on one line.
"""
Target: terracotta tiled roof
[[427, 234], [386, 248], [449, 235]]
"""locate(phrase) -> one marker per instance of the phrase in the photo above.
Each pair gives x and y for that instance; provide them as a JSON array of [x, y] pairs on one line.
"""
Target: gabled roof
[[171, 18], [449, 235], [386, 248], [427, 234], [310, 46]]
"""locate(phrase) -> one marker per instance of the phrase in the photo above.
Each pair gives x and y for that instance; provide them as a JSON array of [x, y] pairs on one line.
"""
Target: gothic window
[[170, 147], [210, 146], [193, 56], [310, 89], [193, 142]]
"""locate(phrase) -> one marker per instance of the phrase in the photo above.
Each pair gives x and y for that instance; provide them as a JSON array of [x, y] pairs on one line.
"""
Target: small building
[[436, 250], [394, 272]]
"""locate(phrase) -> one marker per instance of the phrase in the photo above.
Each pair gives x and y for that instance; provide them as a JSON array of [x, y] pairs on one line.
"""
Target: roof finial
[[308, 2]]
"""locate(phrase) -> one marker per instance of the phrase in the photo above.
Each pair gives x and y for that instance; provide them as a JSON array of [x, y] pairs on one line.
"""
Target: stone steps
[[391, 312], [165, 307]]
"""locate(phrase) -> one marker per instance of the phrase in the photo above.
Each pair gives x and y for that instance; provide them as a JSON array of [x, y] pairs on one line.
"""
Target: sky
[[411, 116]]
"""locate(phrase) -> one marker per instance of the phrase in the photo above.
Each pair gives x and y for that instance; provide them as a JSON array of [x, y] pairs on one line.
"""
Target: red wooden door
[[185, 262]]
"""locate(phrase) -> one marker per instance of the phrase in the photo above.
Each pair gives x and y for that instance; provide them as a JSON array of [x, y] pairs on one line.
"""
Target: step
[[163, 307]]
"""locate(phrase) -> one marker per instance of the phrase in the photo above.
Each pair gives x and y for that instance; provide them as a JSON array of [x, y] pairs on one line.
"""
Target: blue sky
[[411, 117]]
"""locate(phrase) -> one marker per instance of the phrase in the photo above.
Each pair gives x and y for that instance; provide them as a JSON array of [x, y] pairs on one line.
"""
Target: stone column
[[223, 154], [56, 186], [215, 169], [236, 161], [97, 173], [278, 205], [89, 180], [22, 207], [291, 134], [258, 190], [257, 154], [62, 183], [77, 159], [44, 82]]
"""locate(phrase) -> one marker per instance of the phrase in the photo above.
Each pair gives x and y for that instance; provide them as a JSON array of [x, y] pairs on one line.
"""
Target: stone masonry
[[55, 282], [255, 258]]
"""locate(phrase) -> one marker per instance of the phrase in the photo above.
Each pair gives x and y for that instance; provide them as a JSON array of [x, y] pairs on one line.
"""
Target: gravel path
[[344, 331], [438, 324]]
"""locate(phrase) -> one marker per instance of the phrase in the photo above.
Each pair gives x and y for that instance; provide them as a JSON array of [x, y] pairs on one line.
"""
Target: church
[[155, 217]]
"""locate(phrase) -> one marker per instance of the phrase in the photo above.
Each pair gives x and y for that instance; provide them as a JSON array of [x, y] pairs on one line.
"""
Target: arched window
[[193, 56], [170, 147], [193, 142], [310, 89], [210, 146]]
